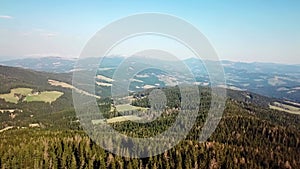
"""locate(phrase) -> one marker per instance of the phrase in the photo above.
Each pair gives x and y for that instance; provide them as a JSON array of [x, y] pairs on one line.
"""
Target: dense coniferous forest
[[249, 135], [240, 141]]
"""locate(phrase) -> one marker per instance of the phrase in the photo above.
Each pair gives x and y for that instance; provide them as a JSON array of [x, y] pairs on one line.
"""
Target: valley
[[149, 84], [269, 79], [249, 135]]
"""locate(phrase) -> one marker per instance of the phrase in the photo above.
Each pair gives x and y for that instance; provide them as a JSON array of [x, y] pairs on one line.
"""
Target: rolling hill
[[269, 79], [250, 134]]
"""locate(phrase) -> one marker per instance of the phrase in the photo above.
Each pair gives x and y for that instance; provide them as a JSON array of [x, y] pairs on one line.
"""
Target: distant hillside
[[269, 79], [48, 64], [11, 77], [249, 135], [32, 112]]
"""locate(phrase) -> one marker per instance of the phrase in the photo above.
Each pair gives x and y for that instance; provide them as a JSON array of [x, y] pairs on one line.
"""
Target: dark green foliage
[[249, 135], [242, 140], [11, 77]]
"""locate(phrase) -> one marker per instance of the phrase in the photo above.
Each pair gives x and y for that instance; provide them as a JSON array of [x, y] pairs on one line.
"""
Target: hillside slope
[[31, 112], [249, 135]]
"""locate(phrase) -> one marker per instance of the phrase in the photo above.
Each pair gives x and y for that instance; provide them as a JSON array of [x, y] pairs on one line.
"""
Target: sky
[[246, 31]]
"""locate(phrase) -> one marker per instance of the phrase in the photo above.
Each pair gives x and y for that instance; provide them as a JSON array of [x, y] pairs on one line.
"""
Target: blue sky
[[254, 30]]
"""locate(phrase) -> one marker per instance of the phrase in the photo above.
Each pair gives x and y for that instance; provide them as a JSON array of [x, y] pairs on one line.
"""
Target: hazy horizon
[[74, 58]]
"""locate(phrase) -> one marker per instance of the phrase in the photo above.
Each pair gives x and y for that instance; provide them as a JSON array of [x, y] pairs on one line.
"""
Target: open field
[[68, 86], [136, 80], [47, 96], [168, 80], [296, 104], [12, 98], [22, 91], [148, 86], [104, 78], [61, 84], [103, 84], [285, 108], [128, 107], [123, 118], [117, 119], [9, 98], [15, 95]]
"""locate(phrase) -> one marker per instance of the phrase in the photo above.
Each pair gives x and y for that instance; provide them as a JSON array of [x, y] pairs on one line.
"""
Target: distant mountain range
[[254, 132], [269, 79]]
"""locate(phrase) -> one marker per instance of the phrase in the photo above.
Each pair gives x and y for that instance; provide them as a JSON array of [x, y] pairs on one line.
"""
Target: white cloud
[[6, 17]]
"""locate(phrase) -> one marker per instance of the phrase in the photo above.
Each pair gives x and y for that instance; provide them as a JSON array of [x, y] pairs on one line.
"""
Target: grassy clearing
[[16, 94], [12, 98], [104, 78], [285, 108], [68, 86], [123, 118], [62, 84], [9, 98], [128, 107], [22, 91], [117, 119], [103, 84], [293, 103], [47, 97]]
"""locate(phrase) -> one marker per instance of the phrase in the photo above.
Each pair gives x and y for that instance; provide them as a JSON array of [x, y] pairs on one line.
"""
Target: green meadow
[[128, 107], [47, 97], [10, 97], [15, 95], [123, 118]]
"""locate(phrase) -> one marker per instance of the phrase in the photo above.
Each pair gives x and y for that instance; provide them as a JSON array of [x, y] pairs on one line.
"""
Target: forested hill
[[22, 113], [11, 77], [249, 135]]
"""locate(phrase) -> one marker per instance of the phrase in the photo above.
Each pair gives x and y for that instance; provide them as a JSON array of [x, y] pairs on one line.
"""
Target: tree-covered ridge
[[249, 135], [33, 112], [241, 140]]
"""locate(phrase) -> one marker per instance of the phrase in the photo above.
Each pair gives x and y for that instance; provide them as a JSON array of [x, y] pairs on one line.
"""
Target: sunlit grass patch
[[14, 95], [123, 118], [128, 107], [47, 96]]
